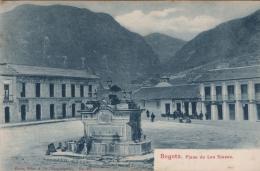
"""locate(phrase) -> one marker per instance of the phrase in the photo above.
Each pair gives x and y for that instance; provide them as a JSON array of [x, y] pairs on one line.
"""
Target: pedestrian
[[201, 116], [148, 114], [174, 115], [152, 117]]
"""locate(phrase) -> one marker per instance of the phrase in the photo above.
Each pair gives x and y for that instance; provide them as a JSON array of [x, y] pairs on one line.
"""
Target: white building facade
[[32, 93], [231, 94], [162, 100]]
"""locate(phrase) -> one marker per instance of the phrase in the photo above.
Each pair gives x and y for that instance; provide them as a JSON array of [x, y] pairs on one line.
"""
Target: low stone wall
[[121, 148]]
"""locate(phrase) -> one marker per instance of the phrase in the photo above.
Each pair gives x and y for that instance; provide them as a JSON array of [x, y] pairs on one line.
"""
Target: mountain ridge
[[224, 43], [80, 39], [164, 45]]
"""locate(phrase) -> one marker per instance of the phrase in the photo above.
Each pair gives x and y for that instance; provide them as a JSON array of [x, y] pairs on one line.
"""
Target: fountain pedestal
[[115, 131]]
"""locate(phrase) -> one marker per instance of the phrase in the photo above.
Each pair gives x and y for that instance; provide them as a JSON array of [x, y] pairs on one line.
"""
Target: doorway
[[186, 107], [208, 111], [220, 112], [7, 114], [245, 111], [64, 110], [232, 113], [258, 111], [23, 112], [167, 108], [73, 108], [194, 107], [52, 114], [178, 106], [38, 112]]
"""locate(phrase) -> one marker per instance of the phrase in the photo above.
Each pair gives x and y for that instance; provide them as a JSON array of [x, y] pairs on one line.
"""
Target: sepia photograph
[[127, 85]]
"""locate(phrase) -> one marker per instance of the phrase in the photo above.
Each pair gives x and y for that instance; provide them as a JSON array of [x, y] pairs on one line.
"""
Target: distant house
[[31, 93], [165, 98]]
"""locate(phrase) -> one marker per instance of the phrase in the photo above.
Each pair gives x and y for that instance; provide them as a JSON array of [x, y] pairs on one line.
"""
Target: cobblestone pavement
[[23, 148]]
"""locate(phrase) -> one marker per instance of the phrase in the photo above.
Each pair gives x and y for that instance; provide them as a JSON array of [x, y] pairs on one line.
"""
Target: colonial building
[[165, 98], [231, 94], [30, 93]]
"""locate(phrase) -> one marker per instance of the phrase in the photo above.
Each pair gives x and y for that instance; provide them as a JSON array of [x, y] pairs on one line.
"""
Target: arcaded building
[[219, 94], [231, 93], [31, 93]]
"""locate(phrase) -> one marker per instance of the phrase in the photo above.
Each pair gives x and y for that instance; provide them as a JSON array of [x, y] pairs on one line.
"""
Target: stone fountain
[[115, 130]]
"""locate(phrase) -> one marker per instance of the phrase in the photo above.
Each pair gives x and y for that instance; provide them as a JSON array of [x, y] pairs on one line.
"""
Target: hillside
[[71, 37], [236, 42], [164, 46]]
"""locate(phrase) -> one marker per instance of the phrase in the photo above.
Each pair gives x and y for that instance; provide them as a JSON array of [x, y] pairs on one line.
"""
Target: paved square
[[26, 146]]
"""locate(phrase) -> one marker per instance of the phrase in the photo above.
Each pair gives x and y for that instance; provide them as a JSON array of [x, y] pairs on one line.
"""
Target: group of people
[[152, 115], [178, 114]]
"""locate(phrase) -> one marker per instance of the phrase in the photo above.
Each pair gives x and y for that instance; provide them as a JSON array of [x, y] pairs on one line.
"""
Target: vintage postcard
[[129, 85]]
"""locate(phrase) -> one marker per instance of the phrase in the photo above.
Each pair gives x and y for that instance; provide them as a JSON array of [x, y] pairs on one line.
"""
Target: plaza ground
[[24, 147]]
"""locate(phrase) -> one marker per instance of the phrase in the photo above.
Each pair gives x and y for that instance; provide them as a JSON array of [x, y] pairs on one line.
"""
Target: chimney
[[64, 61], [83, 62]]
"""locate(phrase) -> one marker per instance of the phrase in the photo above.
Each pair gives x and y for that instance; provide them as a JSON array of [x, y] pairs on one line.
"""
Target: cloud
[[164, 12], [170, 21]]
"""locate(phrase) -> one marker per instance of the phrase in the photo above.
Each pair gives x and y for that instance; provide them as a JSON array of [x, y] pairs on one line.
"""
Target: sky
[[183, 20]]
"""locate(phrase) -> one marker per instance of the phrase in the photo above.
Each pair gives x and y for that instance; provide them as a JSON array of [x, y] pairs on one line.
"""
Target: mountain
[[71, 37], [233, 43], [164, 46]]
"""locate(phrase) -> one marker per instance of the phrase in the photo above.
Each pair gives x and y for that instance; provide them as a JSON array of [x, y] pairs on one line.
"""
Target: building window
[[38, 112], [52, 114], [207, 93], [51, 90], [72, 90], [73, 108], [90, 90], [64, 112], [257, 91], [23, 112], [6, 91], [38, 89], [23, 90], [219, 93], [82, 106], [244, 92], [81, 90], [231, 92], [63, 90]]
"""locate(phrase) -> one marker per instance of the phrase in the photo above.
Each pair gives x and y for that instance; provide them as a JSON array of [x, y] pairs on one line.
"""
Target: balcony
[[8, 99], [244, 96], [207, 98], [219, 98], [231, 97]]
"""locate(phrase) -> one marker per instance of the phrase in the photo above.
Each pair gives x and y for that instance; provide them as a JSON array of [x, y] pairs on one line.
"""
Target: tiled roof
[[231, 74], [173, 92], [11, 69]]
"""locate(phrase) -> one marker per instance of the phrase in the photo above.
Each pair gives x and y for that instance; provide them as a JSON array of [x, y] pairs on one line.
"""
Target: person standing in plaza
[[148, 114], [152, 117]]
